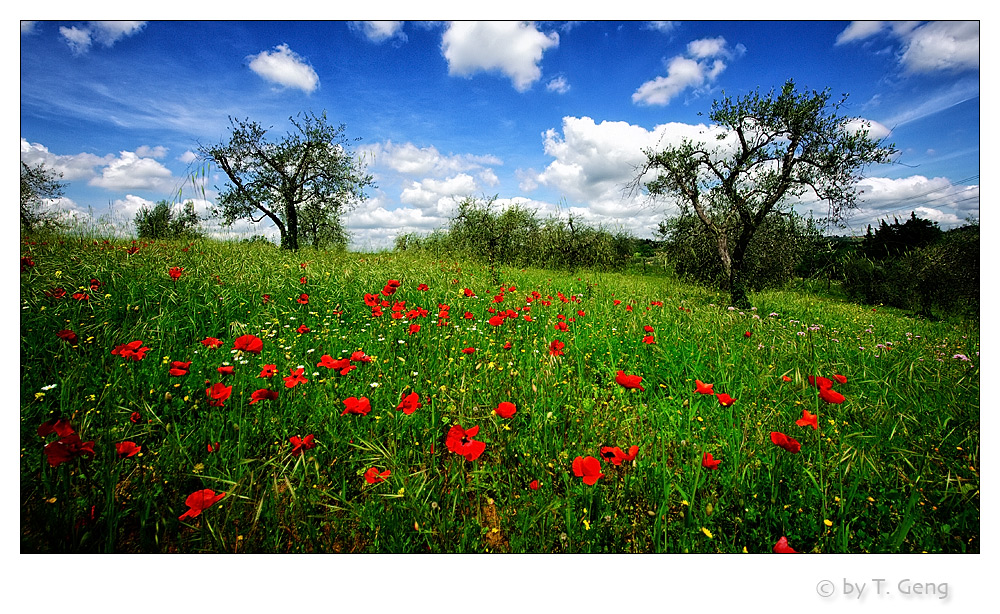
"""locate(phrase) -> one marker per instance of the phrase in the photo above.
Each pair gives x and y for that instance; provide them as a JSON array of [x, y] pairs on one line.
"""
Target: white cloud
[[188, 157], [701, 66], [29, 27], [930, 47], [559, 85], [286, 68], [106, 33], [439, 194], [513, 48], [411, 160], [664, 27], [145, 151], [875, 130], [73, 167], [379, 31], [131, 172]]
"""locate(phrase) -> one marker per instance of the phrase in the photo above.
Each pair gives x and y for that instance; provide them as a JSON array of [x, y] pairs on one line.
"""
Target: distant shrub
[[164, 222]]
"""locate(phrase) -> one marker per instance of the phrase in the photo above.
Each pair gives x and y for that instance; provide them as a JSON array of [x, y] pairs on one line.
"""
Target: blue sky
[[548, 115]]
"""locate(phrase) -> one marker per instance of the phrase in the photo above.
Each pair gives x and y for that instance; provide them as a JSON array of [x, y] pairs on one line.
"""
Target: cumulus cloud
[[72, 167], [131, 172], [512, 48], [285, 68], [106, 33], [559, 85], [145, 151], [698, 69], [875, 130], [951, 46], [379, 31], [412, 160], [665, 27], [439, 194], [188, 157], [29, 27]]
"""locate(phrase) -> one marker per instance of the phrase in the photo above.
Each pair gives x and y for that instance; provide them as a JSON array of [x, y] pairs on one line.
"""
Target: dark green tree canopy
[[39, 184], [302, 182], [162, 222], [770, 149]]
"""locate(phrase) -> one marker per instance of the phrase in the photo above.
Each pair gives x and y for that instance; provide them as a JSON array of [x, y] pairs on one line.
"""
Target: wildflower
[[629, 381], [784, 441], [199, 501], [613, 455], [226, 370], [808, 419], [414, 328], [373, 476], [268, 371], [212, 448], [782, 547], [533, 485], [556, 348], [211, 342], [263, 394], [135, 417], [460, 441], [127, 449], [248, 343], [423, 287], [295, 378], [468, 350], [840, 378], [303, 299], [81, 296], [302, 329], [725, 400], [67, 448], [300, 445], [703, 388], [218, 393], [175, 272], [831, 396], [302, 280], [648, 339], [647, 328], [179, 368], [265, 299], [820, 382], [133, 350], [785, 378], [506, 409], [359, 356], [496, 320], [588, 468], [710, 463], [95, 285], [56, 293], [961, 357], [68, 335], [354, 405], [468, 292], [409, 403], [59, 426], [747, 334]]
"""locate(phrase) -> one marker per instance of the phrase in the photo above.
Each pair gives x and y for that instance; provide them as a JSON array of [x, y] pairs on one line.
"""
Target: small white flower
[[51, 386], [374, 384]]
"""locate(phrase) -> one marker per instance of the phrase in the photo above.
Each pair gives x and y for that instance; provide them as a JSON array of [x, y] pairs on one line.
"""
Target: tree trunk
[[290, 239]]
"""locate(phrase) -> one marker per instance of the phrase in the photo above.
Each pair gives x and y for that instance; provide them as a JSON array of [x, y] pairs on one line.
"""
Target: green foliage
[[940, 275], [302, 182], [37, 185], [778, 147], [892, 240], [515, 236], [164, 222]]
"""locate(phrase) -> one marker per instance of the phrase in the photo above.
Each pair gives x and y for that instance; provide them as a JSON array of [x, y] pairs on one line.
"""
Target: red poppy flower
[[127, 449], [67, 448], [131, 351], [302, 329], [301, 445], [784, 441], [359, 356], [533, 485], [303, 299], [409, 403], [248, 343], [354, 405], [840, 378], [373, 476], [414, 328], [468, 350], [226, 369], [556, 348], [831, 396], [263, 395], [135, 418], [199, 501], [268, 371], [218, 393], [507, 345], [725, 400], [632, 452], [588, 468], [460, 441], [629, 381], [212, 447], [785, 378], [710, 463], [175, 272], [371, 300], [808, 419], [59, 426], [95, 285], [617, 302], [506, 409], [649, 339], [56, 293], [265, 299], [26, 263], [613, 455], [68, 335], [747, 334], [468, 292], [496, 320], [211, 342], [423, 287], [302, 280], [179, 369], [561, 326], [295, 378], [703, 388], [81, 296], [782, 547], [647, 328], [820, 382]]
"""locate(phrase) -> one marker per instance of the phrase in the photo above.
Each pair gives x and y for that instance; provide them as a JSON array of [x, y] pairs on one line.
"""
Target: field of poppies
[[222, 397]]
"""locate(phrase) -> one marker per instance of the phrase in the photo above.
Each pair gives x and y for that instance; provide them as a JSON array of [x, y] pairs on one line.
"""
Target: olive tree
[[39, 184], [301, 182], [771, 149]]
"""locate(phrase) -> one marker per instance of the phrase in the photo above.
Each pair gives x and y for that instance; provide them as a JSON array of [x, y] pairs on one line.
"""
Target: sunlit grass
[[894, 468]]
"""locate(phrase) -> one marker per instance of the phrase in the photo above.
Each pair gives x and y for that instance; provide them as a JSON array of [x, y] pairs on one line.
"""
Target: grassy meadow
[[465, 409]]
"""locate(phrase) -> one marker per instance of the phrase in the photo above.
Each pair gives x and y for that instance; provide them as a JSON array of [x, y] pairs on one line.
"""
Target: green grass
[[894, 468]]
